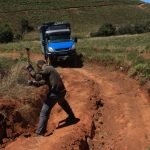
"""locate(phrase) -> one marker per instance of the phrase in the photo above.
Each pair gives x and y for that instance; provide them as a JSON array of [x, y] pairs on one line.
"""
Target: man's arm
[[39, 81], [36, 83]]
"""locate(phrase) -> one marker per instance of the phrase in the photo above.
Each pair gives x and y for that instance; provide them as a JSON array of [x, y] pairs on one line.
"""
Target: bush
[[6, 34], [140, 28], [127, 29], [25, 27], [107, 30]]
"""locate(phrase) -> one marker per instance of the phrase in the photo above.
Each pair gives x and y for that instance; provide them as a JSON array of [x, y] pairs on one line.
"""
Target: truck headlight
[[50, 49], [73, 47]]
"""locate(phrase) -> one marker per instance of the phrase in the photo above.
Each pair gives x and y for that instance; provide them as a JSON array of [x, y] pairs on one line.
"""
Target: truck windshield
[[58, 37]]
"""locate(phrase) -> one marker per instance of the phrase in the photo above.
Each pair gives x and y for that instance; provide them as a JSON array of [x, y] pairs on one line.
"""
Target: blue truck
[[57, 43]]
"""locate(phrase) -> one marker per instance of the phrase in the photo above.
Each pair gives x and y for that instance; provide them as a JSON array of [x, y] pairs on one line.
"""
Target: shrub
[[107, 29], [6, 34], [140, 28], [25, 27], [127, 29]]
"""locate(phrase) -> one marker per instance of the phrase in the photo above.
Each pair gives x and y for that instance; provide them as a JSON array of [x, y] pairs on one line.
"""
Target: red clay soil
[[122, 123], [15, 54]]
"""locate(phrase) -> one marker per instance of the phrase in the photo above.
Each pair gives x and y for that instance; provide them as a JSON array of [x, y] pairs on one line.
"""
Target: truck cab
[[56, 42]]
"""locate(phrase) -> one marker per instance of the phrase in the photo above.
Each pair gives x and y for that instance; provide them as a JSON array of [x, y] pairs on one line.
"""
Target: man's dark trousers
[[48, 104]]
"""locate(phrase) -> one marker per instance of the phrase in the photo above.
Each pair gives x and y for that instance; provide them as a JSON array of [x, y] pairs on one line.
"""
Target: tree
[[6, 34]]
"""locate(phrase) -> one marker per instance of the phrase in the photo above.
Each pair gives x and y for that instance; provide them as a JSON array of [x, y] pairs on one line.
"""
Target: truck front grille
[[60, 50]]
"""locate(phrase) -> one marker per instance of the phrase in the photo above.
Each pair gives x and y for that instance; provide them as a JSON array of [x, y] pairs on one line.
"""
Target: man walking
[[48, 75]]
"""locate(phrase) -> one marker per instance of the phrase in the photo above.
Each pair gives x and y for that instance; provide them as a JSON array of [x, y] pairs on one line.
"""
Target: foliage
[[85, 16], [109, 29], [6, 34], [126, 29], [134, 28], [123, 52], [106, 29], [25, 27], [19, 46]]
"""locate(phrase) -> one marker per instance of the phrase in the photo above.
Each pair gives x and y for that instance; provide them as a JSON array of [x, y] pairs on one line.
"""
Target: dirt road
[[122, 123]]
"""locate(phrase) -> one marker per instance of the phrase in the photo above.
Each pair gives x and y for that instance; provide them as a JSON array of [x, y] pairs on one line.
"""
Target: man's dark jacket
[[52, 78]]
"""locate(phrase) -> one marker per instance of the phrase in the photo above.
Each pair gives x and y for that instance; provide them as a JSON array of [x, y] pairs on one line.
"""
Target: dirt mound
[[21, 114], [15, 55]]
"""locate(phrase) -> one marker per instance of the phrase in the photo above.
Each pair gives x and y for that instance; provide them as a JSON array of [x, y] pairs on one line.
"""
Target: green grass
[[139, 42], [15, 5], [125, 52], [85, 16], [20, 46]]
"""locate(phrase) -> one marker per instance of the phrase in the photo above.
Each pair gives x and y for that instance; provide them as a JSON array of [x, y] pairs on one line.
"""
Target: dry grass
[[14, 84]]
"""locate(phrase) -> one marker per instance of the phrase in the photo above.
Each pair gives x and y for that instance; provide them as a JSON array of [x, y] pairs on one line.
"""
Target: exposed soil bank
[[83, 96], [21, 114]]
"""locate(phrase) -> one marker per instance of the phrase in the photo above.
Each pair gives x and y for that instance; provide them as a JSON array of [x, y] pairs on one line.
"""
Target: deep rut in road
[[114, 114]]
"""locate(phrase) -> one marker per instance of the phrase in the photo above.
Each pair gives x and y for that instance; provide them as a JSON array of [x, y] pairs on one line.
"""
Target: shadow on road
[[76, 62], [65, 123]]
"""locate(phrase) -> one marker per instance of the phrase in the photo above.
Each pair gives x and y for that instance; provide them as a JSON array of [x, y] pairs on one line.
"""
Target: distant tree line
[[7, 34], [108, 29]]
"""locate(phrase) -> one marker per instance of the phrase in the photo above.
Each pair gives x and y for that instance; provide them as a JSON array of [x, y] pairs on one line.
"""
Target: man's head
[[40, 63]]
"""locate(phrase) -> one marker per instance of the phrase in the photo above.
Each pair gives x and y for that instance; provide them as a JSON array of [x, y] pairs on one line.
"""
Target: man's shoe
[[48, 133], [71, 119]]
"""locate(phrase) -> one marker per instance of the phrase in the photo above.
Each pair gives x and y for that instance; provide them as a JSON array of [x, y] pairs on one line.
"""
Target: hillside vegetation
[[85, 15], [129, 53]]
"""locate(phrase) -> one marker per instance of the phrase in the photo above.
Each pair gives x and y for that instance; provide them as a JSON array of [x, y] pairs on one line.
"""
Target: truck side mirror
[[75, 40]]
